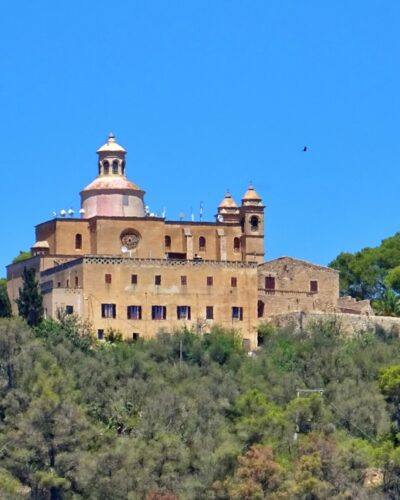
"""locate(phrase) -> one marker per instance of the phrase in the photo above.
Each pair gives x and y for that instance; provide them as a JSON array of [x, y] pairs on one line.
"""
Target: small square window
[[158, 312], [107, 279], [269, 283], [157, 279], [134, 312], [135, 336], [237, 313], [69, 309], [108, 310], [183, 312], [210, 281], [183, 280], [314, 286], [233, 282], [210, 312], [100, 334], [133, 279]]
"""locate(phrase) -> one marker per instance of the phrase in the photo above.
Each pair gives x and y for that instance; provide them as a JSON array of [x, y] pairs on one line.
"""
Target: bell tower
[[252, 221]]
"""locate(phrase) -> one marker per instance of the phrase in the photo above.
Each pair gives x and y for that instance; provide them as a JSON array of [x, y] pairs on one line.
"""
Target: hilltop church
[[122, 268]]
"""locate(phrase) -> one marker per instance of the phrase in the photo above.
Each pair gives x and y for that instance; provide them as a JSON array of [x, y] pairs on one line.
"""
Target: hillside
[[188, 417]]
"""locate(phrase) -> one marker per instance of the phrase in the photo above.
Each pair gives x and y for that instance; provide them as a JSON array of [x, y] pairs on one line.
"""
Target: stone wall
[[346, 324], [293, 291]]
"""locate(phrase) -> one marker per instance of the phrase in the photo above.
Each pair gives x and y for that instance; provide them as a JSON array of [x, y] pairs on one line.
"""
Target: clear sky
[[207, 95]]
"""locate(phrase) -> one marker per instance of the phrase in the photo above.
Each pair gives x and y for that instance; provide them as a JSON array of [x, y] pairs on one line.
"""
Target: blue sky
[[205, 96]]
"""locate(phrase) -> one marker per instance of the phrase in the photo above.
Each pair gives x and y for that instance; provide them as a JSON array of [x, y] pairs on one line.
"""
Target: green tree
[[364, 273], [388, 304], [30, 302], [5, 306], [23, 255]]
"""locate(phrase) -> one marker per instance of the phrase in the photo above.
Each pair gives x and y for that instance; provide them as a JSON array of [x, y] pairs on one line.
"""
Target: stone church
[[125, 269]]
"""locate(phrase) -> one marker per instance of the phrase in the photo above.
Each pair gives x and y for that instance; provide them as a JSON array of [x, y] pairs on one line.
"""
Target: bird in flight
[[305, 149]]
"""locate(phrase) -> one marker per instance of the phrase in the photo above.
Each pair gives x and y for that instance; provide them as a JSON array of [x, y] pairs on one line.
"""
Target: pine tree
[[30, 302], [5, 306]]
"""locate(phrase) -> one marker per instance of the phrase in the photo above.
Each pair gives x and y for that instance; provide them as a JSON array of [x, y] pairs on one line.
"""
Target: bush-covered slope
[[188, 417]]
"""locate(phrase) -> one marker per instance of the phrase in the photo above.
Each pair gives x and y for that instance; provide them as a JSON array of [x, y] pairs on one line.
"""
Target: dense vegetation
[[193, 417], [366, 273]]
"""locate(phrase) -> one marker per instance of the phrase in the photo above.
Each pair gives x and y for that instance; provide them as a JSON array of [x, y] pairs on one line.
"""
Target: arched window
[[115, 167], [254, 223], [99, 168], [202, 243], [167, 242], [236, 245], [106, 168], [78, 242], [123, 168]]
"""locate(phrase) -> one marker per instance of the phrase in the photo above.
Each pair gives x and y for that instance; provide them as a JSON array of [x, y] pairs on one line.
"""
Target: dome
[[250, 197], [112, 183], [228, 202], [112, 194], [111, 146]]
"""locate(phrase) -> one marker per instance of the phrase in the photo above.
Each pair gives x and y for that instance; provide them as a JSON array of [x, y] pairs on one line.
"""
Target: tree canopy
[[183, 416], [366, 273], [30, 301]]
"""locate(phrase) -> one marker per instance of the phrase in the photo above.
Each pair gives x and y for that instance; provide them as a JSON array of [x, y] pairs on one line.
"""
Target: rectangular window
[[135, 336], [183, 312], [76, 281], [100, 334], [125, 200], [157, 279], [69, 309], [108, 310], [269, 283], [233, 282], [210, 281], [134, 312], [59, 284], [133, 279], [158, 312], [314, 286], [237, 313], [183, 280], [210, 312], [107, 279]]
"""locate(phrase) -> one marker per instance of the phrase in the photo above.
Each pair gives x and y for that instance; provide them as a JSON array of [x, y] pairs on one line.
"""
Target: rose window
[[130, 240]]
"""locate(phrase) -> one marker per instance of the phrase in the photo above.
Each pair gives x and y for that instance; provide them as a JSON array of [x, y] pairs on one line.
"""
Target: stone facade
[[288, 285], [139, 297], [120, 267]]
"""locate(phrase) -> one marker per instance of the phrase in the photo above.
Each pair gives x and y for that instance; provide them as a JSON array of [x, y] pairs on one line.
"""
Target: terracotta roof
[[111, 145], [228, 202], [112, 182]]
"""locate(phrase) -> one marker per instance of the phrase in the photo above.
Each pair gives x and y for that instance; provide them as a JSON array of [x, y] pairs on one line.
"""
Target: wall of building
[[102, 235], [170, 293], [292, 287]]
